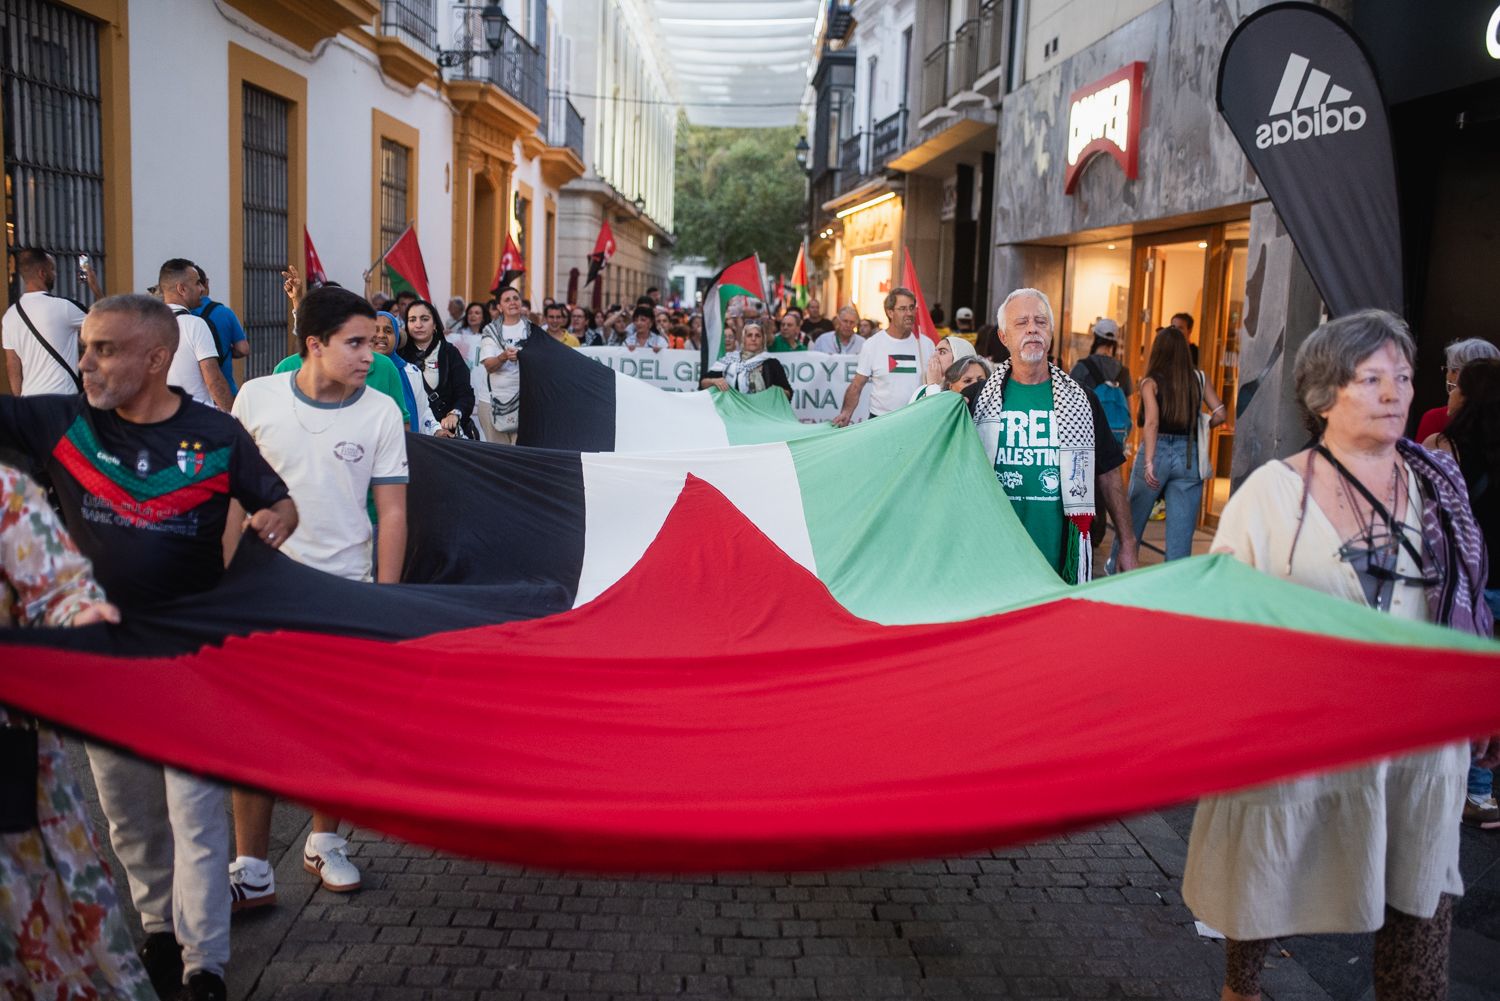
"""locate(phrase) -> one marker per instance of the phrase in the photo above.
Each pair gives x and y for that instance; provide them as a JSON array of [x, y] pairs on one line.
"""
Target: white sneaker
[[324, 856], [252, 883]]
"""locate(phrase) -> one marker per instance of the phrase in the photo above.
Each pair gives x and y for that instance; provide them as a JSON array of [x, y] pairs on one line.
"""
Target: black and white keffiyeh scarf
[[1073, 420], [743, 373]]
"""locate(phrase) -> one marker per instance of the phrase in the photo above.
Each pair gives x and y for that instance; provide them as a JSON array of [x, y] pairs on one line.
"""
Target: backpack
[[1112, 398]]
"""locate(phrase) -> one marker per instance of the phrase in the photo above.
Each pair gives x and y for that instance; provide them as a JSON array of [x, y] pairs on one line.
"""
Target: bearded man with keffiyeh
[[1050, 443]]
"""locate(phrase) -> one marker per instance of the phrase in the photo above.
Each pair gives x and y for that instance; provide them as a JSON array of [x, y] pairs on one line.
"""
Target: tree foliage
[[739, 191]]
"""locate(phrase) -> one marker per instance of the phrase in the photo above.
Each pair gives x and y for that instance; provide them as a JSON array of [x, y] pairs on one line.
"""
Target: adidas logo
[[1313, 113]]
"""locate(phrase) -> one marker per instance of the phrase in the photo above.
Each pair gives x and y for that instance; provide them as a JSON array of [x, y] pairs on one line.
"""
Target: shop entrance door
[[1200, 272]]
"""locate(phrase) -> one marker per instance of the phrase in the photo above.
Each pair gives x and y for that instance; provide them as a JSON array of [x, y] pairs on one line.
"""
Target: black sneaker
[[162, 957], [203, 986]]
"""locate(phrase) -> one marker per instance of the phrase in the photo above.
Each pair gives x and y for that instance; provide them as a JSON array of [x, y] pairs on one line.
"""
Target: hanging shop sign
[[1105, 117]]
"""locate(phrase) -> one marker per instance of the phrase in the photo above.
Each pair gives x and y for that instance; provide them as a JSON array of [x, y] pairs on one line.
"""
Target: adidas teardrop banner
[[1299, 93]]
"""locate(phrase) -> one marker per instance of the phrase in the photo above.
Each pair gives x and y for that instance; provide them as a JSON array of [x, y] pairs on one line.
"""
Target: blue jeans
[[1180, 484]]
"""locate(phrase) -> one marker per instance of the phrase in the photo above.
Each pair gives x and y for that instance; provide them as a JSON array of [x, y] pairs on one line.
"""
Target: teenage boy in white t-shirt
[[334, 443], [892, 360]]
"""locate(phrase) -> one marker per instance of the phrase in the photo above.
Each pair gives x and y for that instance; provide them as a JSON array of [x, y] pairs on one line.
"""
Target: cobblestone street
[[1089, 916]]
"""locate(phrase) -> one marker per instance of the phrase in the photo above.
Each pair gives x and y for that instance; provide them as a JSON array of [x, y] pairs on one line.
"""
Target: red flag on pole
[[312, 267], [604, 249], [925, 326], [512, 265], [404, 267]]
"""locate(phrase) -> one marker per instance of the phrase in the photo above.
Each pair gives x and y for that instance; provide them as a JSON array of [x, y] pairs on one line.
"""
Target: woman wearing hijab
[[749, 370], [445, 377], [387, 341], [949, 350]]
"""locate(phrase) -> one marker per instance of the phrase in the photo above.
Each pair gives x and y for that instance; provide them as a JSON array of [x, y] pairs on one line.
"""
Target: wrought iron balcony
[[824, 188], [565, 125], [963, 58], [887, 140], [935, 78], [840, 18], [412, 21], [991, 37], [851, 161], [517, 68]]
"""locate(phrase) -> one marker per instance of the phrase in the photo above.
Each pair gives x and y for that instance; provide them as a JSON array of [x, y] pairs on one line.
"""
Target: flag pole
[[381, 259]]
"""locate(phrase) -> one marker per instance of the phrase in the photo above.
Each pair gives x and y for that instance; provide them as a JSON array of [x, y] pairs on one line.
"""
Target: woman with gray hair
[[1371, 518], [958, 376], [1455, 357]]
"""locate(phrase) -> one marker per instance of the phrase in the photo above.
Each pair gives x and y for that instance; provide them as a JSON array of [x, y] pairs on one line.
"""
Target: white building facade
[[221, 130], [629, 152]]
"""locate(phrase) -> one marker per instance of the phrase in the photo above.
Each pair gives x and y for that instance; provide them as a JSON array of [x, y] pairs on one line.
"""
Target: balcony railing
[[887, 140], [851, 161], [935, 78], [963, 58], [840, 18], [412, 21], [517, 68], [565, 125], [991, 37], [824, 188]]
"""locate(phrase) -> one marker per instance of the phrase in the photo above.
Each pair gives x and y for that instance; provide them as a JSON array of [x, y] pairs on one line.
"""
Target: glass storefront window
[[1098, 286]]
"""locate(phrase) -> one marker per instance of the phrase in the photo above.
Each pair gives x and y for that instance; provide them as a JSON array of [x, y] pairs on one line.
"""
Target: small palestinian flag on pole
[[404, 267], [512, 265], [799, 279], [925, 326], [312, 266], [604, 249], [742, 278]]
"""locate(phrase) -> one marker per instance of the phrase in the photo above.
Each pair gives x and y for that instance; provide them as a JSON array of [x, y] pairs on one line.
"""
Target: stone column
[[1282, 307]]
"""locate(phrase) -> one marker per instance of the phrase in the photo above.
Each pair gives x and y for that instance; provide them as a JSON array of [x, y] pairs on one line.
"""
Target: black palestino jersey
[[145, 502]]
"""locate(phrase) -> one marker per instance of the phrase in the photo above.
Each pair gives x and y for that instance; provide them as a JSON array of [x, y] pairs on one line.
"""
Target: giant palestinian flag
[[569, 401], [769, 656], [742, 279]]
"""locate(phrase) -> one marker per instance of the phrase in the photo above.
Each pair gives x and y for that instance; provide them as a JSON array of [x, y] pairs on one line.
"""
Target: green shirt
[[384, 377], [1027, 465], [779, 343]]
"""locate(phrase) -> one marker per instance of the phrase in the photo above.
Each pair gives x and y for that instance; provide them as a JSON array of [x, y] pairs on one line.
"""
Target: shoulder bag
[[47, 346]]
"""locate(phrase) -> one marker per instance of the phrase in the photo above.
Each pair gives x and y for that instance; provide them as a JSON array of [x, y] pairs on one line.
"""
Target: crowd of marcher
[[158, 462]]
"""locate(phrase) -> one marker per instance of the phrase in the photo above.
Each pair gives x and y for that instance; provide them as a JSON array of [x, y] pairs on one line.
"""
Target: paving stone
[[1089, 915]]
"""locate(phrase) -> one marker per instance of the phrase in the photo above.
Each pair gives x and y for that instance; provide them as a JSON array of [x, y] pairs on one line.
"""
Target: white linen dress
[[1326, 852]]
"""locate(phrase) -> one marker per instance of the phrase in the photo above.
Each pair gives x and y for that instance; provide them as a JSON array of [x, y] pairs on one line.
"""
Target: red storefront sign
[[1105, 117]]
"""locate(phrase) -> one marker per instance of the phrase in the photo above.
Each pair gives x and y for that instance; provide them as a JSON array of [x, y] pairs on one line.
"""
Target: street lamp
[[495, 23], [640, 205], [802, 151]]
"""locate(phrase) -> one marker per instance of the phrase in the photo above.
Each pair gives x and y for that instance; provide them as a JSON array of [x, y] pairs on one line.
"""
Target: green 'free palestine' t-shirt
[[1028, 467]]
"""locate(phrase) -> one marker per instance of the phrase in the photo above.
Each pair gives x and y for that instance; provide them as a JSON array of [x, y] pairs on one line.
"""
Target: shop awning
[[735, 63]]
